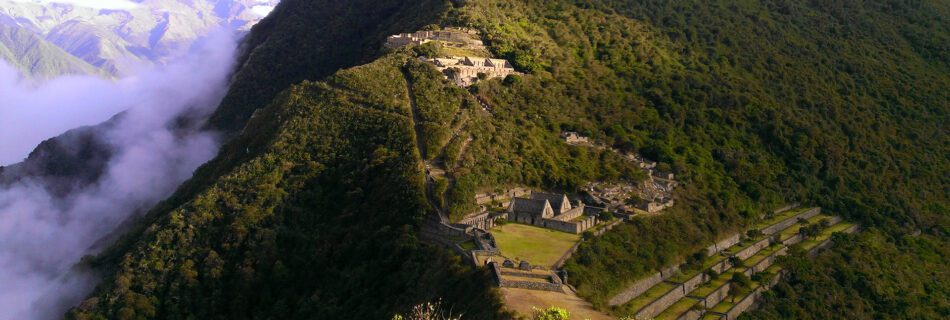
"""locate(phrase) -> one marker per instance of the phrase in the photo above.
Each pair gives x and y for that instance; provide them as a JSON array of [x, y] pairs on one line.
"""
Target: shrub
[[552, 313], [587, 235]]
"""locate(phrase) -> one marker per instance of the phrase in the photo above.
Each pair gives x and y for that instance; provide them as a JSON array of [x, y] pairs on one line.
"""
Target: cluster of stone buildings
[[454, 37], [575, 139], [553, 211], [465, 71], [656, 192]]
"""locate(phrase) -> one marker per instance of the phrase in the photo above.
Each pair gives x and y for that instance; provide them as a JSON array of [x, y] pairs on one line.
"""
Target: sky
[[43, 236]]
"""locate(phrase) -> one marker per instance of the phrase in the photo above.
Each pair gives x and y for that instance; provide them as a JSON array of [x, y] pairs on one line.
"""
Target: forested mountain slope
[[752, 104], [317, 223], [34, 57]]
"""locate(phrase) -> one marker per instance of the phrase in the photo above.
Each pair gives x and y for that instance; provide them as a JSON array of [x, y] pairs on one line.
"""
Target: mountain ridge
[[120, 40], [744, 131]]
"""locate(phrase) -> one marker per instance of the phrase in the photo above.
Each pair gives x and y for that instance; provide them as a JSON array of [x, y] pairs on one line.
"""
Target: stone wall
[[608, 227], [671, 271], [540, 286], [639, 287], [781, 225], [833, 220], [691, 315], [556, 286], [530, 275], [721, 267], [792, 240], [743, 304], [567, 255], [722, 245], [715, 297], [665, 301], [748, 301], [768, 261], [575, 227], [488, 197], [636, 289], [785, 208], [694, 282], [753, 249]]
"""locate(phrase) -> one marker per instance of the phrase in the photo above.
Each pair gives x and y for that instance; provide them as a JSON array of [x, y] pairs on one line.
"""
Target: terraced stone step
[[694, 291], [741, 250]]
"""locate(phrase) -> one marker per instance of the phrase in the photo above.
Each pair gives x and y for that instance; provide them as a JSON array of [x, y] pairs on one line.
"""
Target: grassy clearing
[[536, 245]]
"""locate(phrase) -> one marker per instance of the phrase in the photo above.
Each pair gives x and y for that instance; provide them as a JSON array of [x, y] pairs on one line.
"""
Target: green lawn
[[742, 245], [468, 245], [779, 217], [825, 234], [793, 230], [684, 275], [536, 245], [677, 309], [708, 287], [724, 305], [758, 257], [647, 297]]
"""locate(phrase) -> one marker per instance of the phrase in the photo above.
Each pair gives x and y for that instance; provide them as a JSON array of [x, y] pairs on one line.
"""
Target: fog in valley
[[43, 235]]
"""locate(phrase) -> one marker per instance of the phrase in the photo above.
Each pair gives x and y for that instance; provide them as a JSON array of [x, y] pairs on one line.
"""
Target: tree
[[738, 282], [736, 262], [754, 233], [512, 80], [695, 259], [552, 313]]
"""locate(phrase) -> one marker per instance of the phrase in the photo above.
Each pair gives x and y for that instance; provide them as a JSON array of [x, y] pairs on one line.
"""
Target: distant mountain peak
[[118, 36]]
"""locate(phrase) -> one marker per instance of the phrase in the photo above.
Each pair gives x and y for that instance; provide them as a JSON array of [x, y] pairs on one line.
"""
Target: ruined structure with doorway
[[553, 211]]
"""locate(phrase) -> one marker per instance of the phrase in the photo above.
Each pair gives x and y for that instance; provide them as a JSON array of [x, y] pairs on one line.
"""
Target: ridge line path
[[417, 127]]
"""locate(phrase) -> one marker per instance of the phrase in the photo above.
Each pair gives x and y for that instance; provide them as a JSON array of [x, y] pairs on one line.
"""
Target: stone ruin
[[461, 38], [465, 71], [553, 211]]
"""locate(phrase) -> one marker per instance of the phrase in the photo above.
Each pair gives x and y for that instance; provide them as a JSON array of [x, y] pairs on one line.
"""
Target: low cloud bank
[[42, 236]]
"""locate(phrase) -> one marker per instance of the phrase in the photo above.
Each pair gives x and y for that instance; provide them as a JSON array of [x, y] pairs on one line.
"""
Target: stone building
[[553, 211], [656, 205], [574, 138], [457, 37], [465, 71]]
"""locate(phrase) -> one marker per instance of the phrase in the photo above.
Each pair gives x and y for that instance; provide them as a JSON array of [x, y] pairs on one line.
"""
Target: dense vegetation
[[325, 231], [752, 104], [312, 211], [867, 276]]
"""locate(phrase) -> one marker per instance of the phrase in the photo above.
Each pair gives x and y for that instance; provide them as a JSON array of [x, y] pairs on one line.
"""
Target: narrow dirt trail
[[420, 145]]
